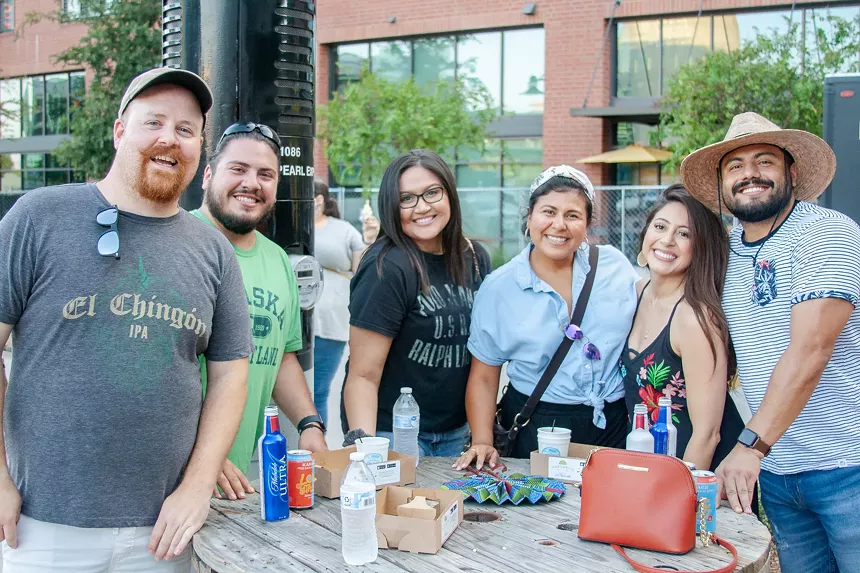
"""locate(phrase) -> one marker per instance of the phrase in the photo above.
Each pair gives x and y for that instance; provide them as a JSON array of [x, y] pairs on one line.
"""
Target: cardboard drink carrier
[[415, 519], [330, 466]]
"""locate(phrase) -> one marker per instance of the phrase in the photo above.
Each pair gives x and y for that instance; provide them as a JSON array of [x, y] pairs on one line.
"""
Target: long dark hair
[[329, 204], [703, 286], [391, 234]]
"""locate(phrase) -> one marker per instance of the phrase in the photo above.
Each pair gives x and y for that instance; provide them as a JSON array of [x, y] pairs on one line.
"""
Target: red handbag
[[640, 500]]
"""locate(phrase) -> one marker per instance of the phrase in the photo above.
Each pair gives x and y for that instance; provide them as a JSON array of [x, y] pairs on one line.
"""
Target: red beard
[[157, 185]]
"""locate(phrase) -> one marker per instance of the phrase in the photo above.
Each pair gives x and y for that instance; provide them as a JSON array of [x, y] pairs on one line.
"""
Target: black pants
[[576, 417]]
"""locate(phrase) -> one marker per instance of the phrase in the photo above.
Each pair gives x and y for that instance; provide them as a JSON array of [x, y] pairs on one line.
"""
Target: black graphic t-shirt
[[429, 330]]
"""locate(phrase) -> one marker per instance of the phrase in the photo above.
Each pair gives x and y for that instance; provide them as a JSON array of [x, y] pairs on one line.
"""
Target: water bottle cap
[[357, 456], [406, 390]]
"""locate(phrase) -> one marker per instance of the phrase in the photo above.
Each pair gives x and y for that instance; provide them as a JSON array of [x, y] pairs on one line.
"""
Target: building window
[[7, 16], [650, 52], [27, 171], [481, 58], [72, 9], [40, 105]]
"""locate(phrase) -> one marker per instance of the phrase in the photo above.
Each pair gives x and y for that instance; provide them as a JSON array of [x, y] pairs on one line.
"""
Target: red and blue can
[[706, 496], [274, 482], [301, 479]]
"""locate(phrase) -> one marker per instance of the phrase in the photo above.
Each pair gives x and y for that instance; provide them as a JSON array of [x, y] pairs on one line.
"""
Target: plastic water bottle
[[407, 419], [358, 512], [640, 439], [666, 404]]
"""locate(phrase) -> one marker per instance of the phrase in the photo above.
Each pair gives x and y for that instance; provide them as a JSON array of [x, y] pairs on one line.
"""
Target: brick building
[[571, 78]]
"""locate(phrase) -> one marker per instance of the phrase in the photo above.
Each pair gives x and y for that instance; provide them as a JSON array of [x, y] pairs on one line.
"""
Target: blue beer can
[[274, 480]]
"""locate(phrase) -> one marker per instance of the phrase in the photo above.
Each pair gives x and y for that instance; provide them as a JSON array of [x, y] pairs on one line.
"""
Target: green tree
[[373, 120], [778, 75], [123, 39]]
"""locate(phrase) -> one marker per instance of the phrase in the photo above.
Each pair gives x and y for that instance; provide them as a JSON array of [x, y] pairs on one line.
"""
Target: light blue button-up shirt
[[519, 319]]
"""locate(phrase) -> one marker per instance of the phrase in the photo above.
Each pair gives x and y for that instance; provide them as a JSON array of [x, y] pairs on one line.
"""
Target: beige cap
[[156, 76]]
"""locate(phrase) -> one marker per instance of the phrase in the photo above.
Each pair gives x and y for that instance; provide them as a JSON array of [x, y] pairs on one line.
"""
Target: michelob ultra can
[[301, 479], [274, 483]]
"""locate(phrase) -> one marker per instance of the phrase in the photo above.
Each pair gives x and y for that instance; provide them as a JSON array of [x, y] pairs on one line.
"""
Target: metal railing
[[494, 215]]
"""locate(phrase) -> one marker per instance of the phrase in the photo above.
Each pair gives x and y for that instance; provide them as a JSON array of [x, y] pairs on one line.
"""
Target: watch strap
[[761, 447], [309, 421]]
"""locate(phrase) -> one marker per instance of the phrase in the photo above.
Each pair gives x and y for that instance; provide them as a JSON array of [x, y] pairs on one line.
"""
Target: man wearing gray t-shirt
[[112, 292]]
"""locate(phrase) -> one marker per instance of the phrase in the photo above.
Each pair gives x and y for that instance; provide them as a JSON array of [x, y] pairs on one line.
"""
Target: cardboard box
[[565, 468], [330, 466], [414, 534]]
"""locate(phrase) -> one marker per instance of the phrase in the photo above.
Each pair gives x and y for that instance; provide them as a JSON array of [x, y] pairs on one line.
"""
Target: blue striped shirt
[[519, 319], [814, 254]]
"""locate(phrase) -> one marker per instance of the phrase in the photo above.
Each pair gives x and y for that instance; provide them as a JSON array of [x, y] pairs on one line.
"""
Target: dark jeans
[[577, 417]]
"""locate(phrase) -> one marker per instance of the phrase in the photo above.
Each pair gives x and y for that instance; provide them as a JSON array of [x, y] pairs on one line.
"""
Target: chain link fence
[[494, 216]]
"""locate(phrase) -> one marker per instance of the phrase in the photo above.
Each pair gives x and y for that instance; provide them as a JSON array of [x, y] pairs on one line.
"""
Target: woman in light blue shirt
[[519, 316]]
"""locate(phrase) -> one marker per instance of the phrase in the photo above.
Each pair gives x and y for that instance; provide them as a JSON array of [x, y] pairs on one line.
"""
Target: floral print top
[[657, 371]]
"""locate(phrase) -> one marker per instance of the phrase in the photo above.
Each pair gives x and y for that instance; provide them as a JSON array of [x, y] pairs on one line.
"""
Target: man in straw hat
[[113, 292], [791, 296]]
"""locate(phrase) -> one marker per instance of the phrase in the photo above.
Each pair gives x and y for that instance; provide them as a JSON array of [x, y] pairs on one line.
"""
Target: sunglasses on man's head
[[108, 243], [249, 127]]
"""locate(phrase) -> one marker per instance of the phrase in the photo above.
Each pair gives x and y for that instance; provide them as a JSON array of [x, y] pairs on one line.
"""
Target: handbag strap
[[647, 569], [521, 419]]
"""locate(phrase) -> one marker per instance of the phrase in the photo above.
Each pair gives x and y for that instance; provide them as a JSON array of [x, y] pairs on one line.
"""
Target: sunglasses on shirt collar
[[108, 243]]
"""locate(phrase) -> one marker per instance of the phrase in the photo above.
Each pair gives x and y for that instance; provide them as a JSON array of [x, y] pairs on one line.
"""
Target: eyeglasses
[[248, 127], [108, 243], [574, 333], [432, 195]]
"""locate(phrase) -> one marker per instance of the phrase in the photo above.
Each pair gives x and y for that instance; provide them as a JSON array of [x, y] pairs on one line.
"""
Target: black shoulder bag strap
[[523, 416]]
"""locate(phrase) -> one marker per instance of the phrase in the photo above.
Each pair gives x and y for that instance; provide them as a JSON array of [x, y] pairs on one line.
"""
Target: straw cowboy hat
[[816, 162]]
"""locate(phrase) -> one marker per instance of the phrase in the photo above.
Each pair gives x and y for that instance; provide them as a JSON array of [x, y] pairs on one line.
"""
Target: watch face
[[748, 437]]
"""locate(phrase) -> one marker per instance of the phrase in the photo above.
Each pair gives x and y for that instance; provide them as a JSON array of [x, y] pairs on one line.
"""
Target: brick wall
[[32, 52], [574, 34]]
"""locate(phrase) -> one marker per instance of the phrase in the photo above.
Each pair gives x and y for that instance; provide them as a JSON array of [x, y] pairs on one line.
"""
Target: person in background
[[679, 344], [113, 292], [519, 318], [240, 184], [410, 308], [792, 301], [337, 247]]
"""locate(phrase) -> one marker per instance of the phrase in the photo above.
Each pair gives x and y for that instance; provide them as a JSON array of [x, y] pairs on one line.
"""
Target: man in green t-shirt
[[240, 185]]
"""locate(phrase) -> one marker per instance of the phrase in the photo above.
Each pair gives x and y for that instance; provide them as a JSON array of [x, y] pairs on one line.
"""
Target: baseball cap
[[157, 76]]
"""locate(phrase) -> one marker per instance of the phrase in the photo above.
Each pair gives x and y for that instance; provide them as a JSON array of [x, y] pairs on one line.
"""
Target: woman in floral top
[[678, 346]]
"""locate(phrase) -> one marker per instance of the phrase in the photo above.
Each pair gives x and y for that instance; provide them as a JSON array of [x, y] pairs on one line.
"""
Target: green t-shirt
[[273, 300]]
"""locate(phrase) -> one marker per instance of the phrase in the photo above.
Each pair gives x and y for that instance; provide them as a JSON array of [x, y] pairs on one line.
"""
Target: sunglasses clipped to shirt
[[108, 243], [248, 127]]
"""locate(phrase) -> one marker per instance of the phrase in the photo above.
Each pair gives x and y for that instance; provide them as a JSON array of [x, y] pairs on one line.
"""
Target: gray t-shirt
[[104, 395], [334, 245]]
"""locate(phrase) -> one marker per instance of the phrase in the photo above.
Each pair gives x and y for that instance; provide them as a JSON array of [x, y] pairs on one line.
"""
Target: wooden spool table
[[540, 538]]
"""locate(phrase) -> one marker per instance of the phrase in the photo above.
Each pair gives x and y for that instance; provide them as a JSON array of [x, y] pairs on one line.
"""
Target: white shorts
[[49, 547]]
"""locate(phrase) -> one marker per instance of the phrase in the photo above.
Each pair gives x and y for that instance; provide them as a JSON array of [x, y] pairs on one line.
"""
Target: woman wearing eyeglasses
[[524, 311], [410, 308]]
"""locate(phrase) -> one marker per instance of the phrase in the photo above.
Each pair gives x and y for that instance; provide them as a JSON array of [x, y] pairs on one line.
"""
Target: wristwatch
[[752, 440], [313, 421]]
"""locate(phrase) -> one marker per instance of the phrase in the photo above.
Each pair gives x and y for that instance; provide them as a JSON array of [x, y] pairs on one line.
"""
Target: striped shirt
[[814, 254]]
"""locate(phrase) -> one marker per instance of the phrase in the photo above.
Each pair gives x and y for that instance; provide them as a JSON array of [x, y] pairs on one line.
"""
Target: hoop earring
[[641, 261], [527, 235], [583, 246]]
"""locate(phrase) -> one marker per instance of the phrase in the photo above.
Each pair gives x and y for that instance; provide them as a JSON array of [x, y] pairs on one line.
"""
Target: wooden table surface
[[528, 537]]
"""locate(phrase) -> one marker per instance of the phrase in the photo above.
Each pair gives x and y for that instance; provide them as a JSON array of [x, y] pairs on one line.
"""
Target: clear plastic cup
[[376, 449], [553, 441]]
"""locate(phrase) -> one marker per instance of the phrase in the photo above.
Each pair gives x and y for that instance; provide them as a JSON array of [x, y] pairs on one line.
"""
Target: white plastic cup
[[553, 441], [376, 449]]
